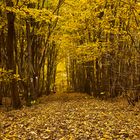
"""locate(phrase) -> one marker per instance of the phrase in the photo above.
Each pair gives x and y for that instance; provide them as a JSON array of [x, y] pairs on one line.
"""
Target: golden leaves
[[7, 76], [69, 117]]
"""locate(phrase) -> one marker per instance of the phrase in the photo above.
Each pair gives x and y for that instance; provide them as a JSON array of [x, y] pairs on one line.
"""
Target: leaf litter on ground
[[71, 116]]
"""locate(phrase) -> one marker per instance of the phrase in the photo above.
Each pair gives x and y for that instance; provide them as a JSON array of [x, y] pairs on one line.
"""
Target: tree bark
[[10, 54]]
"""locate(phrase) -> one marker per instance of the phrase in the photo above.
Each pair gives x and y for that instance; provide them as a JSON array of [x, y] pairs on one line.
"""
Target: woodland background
[[65, 45]]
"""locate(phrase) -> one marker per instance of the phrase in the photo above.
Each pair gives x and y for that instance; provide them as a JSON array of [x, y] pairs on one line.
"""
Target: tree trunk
[[10, 54]]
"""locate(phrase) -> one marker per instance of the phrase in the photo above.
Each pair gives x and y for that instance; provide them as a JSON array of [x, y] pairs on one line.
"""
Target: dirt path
[[71, 117]]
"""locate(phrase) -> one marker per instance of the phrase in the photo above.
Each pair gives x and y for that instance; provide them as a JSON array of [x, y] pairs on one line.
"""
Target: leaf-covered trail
[[71, 117]]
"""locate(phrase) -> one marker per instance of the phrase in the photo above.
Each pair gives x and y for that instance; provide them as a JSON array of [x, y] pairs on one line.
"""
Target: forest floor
[[71, 117]]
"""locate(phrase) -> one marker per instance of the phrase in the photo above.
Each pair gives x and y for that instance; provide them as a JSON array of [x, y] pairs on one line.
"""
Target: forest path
[[71, 117]]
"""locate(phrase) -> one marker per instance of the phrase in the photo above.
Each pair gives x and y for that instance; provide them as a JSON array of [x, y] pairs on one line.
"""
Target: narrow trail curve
[[71, 117]]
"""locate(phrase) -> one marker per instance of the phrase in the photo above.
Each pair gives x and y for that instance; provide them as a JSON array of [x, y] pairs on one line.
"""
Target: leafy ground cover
[[71, 117]]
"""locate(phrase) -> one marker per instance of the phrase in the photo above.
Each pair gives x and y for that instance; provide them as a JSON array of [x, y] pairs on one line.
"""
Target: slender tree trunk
[[10, 54]]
